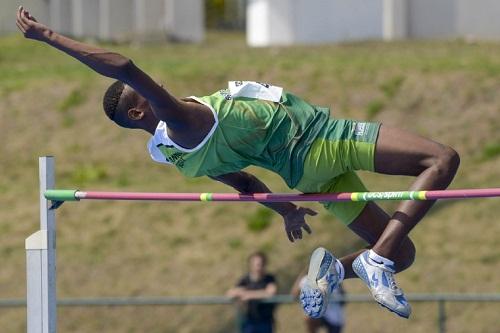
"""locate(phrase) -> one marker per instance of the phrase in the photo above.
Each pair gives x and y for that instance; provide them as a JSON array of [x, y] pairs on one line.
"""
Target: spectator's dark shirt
[[257, 311]]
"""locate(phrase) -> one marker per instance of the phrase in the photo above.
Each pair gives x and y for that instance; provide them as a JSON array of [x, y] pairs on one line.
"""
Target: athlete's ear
[[135, 114]]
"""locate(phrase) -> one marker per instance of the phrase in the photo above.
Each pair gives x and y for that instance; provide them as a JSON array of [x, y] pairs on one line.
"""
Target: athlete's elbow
[[249, 183], [124, 69]]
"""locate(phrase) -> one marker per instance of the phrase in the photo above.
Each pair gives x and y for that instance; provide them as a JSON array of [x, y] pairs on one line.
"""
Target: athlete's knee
[[407, 254], [447, 161]]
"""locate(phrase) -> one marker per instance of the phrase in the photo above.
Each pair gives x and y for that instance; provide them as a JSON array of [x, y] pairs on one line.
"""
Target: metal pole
[[442, 316], [41, 261]]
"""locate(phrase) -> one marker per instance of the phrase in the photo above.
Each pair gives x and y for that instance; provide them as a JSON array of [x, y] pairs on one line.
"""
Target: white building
[[286, 22]]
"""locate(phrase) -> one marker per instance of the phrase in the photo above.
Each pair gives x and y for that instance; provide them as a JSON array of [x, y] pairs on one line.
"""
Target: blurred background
[[432, 67]]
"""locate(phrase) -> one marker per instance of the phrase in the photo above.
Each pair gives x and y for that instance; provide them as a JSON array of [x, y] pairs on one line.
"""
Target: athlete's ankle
[[377, 259]]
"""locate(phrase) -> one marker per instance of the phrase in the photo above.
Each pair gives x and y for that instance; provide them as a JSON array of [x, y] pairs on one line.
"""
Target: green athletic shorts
[[342, 147]]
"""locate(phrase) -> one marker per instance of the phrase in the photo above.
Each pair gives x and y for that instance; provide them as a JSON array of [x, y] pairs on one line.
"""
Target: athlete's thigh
[[370, 223], [345, 211], [398, 152]]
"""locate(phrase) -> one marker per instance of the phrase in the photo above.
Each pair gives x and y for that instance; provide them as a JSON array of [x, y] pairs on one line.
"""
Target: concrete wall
[[61, 16], [432, 18], [185, 20], [86, 18], [479, 19], [454, 18], [149, 17], [38, 8], [285, 22], [339, 20], [270, 22], [114, 19], [395, 19]]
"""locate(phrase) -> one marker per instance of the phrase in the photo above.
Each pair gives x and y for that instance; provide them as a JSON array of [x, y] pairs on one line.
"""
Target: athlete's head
[[126, 107]]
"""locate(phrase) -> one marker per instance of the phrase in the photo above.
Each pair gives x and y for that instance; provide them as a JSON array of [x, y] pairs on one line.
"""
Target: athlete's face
[[134, 111]]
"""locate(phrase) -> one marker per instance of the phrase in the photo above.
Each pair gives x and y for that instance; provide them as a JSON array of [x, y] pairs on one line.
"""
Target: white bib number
[[257, 90]]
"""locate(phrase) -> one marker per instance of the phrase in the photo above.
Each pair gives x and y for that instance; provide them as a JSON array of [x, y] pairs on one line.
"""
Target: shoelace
[[392, 283]]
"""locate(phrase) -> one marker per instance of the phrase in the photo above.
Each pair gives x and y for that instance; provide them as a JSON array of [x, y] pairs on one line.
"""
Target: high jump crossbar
[[60, 196], [40, 247]]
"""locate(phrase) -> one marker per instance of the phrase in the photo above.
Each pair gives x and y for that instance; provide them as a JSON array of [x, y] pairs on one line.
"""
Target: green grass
[[444, 90], [260, 220], [82, 175], [491, 151], [391, 87], [374, 108]]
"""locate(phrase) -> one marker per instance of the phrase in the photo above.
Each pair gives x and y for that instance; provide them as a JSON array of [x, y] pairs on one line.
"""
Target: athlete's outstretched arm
[[165, 106], [293, 216]]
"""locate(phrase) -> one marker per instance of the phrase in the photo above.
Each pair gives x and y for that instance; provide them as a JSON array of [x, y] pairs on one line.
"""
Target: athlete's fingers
[[20, 18], [22, 25], [29, 16], [21, 13], [18, 15], [289, 235], [23, 18], [297, 233], [307, 228], [20, 28]]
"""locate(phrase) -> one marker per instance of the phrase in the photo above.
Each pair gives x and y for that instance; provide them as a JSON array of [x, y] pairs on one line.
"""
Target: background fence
[[439, 299]]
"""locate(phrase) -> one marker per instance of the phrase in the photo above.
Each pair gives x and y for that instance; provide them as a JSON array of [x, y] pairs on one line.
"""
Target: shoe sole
[[358, 268], [315, 265], [321, 261], [319, 264], [393, 311]]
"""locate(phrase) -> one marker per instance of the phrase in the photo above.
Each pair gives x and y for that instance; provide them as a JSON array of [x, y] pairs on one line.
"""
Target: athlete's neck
[[151, 126]]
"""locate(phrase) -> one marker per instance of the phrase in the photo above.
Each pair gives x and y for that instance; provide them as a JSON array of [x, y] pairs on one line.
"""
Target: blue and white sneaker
[[324, 275], [380, 280]]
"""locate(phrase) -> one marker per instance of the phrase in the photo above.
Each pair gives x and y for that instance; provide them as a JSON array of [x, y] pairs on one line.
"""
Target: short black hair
[[112, 98]]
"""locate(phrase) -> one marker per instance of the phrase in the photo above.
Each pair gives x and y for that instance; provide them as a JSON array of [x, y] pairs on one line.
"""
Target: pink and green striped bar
[[76, 195]]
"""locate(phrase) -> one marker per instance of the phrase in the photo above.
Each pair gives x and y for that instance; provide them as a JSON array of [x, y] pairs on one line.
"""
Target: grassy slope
[[51, 105]]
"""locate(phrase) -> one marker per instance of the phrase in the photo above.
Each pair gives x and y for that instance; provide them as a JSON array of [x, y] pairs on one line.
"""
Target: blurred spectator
[[256, 316], [333, 319]]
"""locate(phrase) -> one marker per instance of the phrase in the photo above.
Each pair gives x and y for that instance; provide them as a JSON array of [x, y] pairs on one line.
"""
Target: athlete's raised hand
[[30, 27], [295, 221]]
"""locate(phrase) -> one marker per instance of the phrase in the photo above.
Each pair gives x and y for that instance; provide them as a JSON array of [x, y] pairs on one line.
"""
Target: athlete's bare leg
[[401, 153], [369, 225], [396, 153]]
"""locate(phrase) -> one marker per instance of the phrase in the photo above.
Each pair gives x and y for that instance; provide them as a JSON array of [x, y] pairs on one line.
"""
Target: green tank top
[[250, 131]]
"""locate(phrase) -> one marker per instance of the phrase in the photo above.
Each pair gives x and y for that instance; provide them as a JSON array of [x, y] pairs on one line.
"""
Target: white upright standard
[[41, 261]]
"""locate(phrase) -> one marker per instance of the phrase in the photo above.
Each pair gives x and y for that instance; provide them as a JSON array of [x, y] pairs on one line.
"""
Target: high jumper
[[260, 124]]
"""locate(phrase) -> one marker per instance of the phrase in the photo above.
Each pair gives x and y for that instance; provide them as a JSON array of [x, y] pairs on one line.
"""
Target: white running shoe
[[380, 280], [324, 275]]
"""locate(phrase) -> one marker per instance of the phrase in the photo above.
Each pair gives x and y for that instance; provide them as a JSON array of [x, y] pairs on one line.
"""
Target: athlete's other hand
[[295, 221], [30, 27]]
